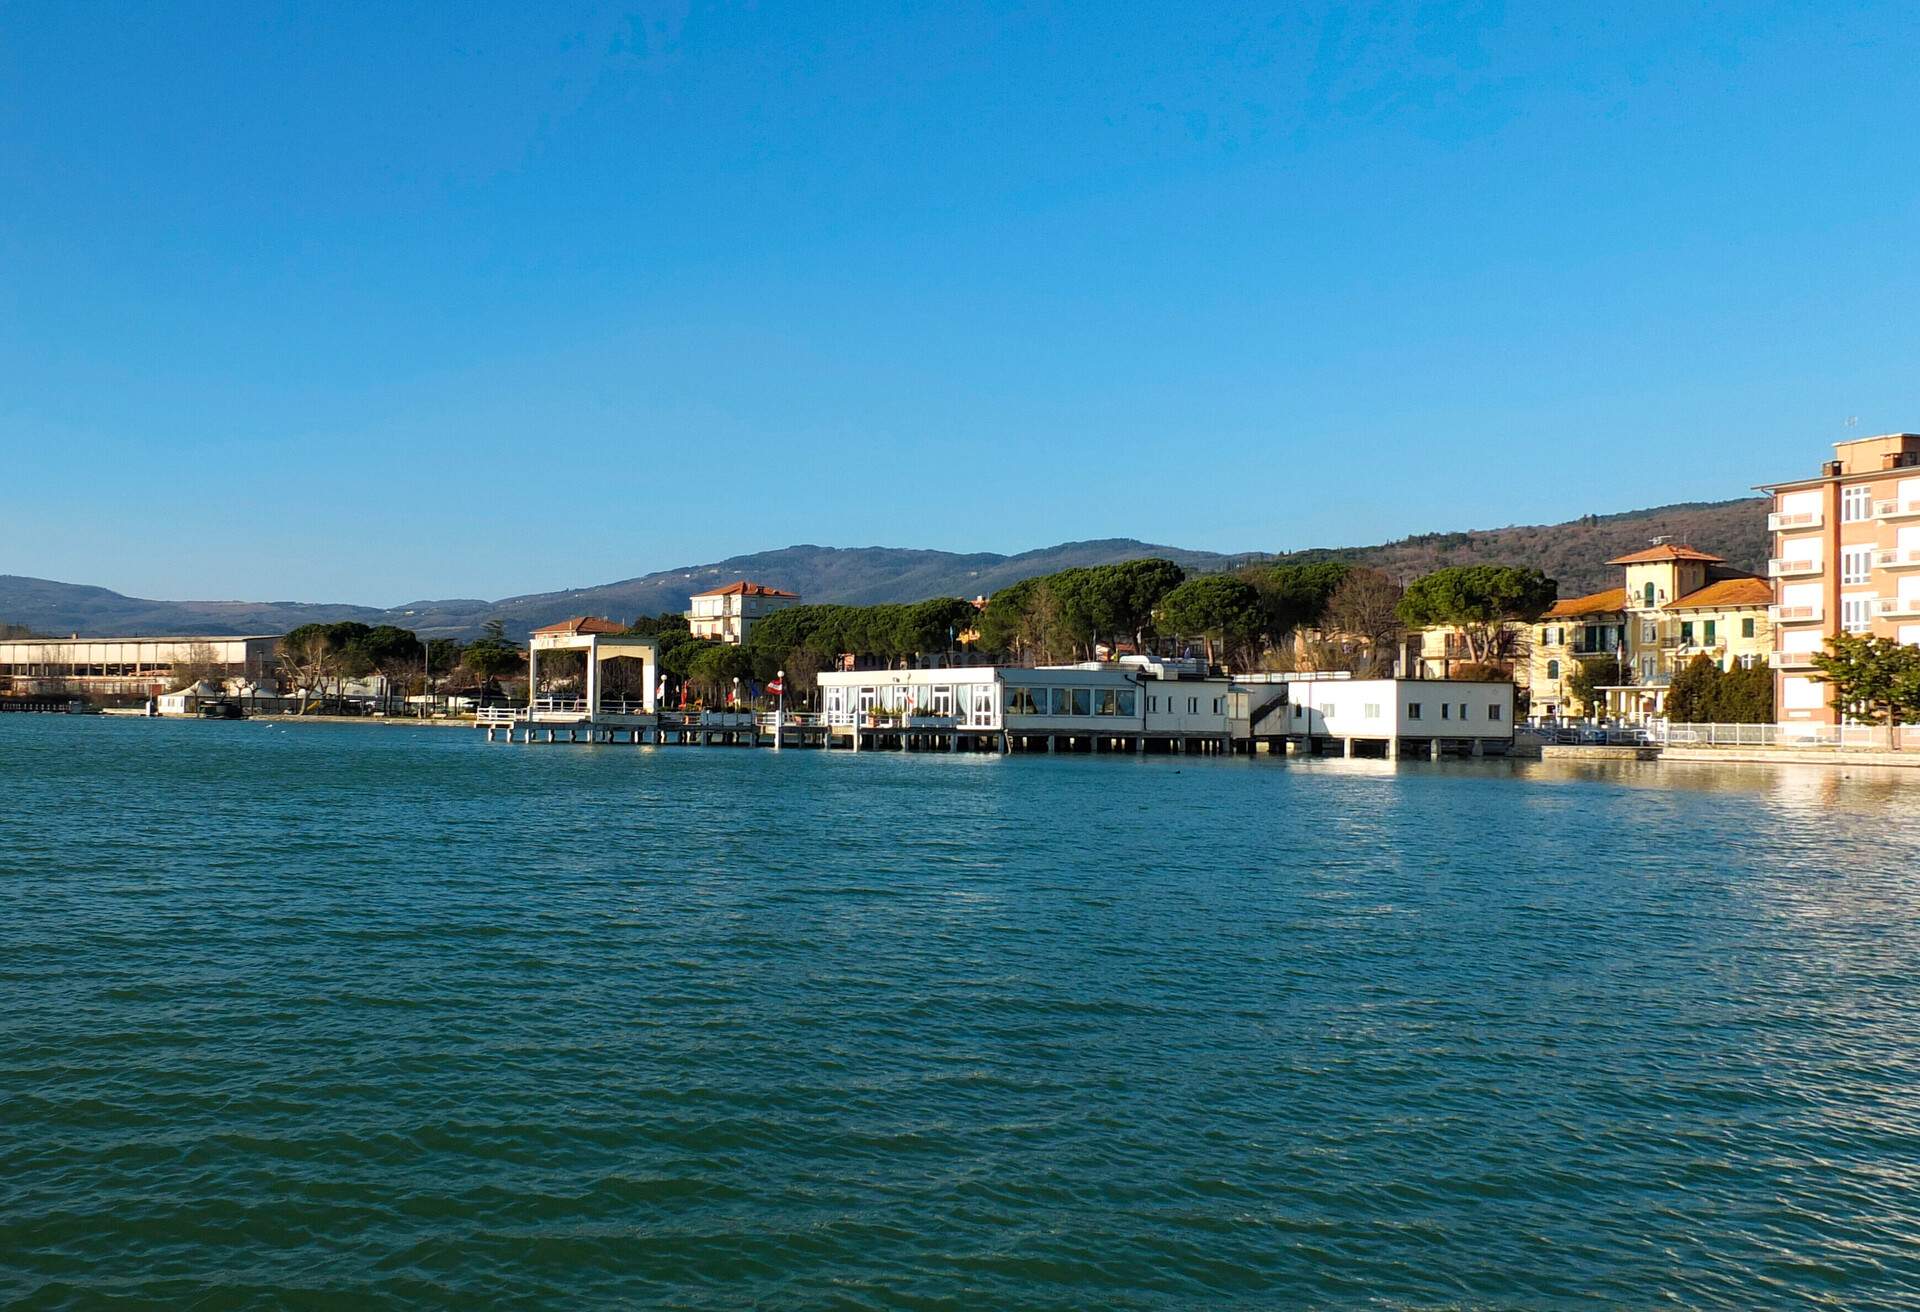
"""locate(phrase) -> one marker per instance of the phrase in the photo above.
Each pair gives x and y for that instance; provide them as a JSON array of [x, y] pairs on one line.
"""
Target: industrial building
[[133, 667]]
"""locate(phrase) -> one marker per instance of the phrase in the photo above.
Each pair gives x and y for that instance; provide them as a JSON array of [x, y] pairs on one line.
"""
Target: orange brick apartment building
[[1846, 559]]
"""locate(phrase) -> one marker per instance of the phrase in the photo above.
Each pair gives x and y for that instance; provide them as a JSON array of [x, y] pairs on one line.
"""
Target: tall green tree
[[1218, 607], [1693, 692], [1590, 675], [1296, 596], [491, 657], [1482, 601], [1744, 695], [1874, 680]]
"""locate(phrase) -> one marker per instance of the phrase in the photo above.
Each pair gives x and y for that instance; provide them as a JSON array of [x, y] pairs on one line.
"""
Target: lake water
[[351, 1016]]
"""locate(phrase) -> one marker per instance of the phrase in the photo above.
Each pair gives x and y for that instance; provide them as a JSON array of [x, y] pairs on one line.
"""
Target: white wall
[[1400, 708]]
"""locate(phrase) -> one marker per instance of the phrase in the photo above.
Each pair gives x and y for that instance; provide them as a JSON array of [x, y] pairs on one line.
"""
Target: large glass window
[[1026, 701], [1856, 614], [1057, 701], [1082, 703], [1129, 699], [1107, 702], [1856, 503], [1856, 564]]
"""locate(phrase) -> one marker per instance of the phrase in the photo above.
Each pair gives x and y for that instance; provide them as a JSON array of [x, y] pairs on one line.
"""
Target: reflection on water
[[403, 1018]]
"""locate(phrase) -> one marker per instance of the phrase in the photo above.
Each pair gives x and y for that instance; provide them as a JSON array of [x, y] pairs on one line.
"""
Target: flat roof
[[165, 637]]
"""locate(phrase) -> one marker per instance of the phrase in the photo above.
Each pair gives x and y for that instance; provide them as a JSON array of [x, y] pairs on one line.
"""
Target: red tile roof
[[583, 624], [746, 589], [1728, 594], [1665, 551], [1593, 604]]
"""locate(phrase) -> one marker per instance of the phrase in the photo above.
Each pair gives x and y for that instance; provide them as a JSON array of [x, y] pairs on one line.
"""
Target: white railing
[[1779, 521], [1863, 737], [792, 719], [1591, 735], [1803, 613], [1897, 557], [1895, 508], [1897, 606], [496, 714], [1782, 568]]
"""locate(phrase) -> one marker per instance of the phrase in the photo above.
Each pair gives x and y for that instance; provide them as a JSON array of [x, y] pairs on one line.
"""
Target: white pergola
[[601, 641]]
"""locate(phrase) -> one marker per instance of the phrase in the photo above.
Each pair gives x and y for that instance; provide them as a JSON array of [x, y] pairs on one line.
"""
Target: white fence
[[1862, 737]]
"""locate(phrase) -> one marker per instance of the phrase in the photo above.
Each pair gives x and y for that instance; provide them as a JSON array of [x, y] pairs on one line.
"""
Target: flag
[[776, 686]]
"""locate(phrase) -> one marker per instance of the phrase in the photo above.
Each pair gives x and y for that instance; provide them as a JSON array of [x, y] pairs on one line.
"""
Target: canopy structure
[[601, 640]]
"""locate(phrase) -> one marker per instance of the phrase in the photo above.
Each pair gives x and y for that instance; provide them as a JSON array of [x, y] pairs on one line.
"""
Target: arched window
[[1649, 594], [1553, 669]]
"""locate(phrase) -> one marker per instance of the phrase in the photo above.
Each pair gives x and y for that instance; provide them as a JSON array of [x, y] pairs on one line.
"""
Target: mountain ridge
[[1574, 552]]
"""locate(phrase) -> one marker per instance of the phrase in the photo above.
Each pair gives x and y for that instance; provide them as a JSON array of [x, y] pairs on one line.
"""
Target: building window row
[[1072, 701]]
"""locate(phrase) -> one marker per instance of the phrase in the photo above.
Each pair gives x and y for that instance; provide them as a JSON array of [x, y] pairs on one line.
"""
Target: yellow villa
[[1675, 604]]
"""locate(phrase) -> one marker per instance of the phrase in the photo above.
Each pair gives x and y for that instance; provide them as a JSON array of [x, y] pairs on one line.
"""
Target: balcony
[[1780, 569], [1806, 613], [1897, 608], [1897, 558], [1794, 660], [1895, 508], [1781, 522]]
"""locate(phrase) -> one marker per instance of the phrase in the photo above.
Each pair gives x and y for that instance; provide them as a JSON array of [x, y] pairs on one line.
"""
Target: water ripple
[[339, 1016]]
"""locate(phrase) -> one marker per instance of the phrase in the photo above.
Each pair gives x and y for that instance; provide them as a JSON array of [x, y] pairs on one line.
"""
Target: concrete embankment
[[1789, 756], [1598, 752]]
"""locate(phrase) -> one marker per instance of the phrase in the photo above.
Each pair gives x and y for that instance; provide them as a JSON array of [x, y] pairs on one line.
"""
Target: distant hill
[[1574, 552]]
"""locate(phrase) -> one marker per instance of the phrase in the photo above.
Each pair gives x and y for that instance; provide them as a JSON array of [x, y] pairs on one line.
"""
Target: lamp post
[[426, 676]]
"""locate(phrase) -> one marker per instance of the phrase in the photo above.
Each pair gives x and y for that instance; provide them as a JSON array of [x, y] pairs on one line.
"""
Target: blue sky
[[377, 303]]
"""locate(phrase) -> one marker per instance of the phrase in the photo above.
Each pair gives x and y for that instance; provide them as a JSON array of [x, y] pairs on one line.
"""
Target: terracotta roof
[[1665, 551], [1727, 593], [1594, 604], [746, 589], [583, 624]]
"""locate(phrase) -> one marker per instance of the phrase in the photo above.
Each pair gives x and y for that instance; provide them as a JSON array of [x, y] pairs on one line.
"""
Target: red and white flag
[[776, 686]]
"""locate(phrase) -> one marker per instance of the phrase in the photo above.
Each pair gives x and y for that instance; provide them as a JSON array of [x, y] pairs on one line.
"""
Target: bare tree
[[200, 664], [1363, 618], [1044, 635], [310, 661]]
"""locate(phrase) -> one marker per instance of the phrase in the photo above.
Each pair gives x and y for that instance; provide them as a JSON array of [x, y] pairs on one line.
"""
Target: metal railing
[[1862, 737], [1590, 735]]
